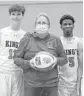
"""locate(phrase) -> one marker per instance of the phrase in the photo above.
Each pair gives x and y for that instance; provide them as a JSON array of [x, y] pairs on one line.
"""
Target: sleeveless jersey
[[68, 72], [9, 41]]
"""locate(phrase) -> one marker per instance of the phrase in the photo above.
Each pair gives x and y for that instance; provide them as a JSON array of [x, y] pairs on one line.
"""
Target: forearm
[[24, 64], [79, 74]]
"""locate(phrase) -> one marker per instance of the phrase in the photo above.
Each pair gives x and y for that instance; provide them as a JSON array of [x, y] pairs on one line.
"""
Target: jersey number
[[71, 62], [11, 53]]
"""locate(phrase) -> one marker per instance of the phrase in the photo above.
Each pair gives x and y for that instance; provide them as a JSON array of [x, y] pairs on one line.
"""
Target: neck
[[15, 27], [68, 35]]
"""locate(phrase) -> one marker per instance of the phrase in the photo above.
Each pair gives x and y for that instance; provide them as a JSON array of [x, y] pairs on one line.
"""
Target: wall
[[54, 10]]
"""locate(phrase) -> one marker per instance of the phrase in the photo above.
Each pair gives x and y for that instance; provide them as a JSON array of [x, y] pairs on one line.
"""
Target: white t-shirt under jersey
[[68, 72], [9, 41]]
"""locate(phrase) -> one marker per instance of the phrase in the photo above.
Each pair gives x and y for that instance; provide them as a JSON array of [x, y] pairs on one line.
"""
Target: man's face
[[16, 17], [67, 27]]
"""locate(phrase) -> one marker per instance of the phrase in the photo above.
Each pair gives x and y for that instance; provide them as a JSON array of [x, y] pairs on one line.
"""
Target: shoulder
[[5, 29], [27, 34], [79, 40], [22, 32], [54, 37], [79, 43], [26, 37]]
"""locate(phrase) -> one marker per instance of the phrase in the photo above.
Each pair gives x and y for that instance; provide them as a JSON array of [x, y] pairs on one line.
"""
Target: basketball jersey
[[68, 72], [9, 41]]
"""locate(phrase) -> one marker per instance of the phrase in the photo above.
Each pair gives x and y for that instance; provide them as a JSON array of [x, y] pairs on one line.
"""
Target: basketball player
[[70, 73], [39, 83], [11, 76]]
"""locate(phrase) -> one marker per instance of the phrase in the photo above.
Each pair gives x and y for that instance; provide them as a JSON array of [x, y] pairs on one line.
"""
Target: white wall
[[54, 10]]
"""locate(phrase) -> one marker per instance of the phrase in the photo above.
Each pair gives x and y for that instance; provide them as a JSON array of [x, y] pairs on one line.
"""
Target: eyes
[[16, 13], [69, 24], [43, 22]]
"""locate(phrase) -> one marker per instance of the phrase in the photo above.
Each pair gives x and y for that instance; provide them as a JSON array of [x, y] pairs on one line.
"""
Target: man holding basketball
[[36, 50]]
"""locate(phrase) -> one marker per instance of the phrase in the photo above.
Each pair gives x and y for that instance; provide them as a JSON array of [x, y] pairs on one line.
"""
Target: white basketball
[[43, 61]]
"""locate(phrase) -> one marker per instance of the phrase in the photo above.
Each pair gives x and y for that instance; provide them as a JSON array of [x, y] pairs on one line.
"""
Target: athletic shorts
[[64, 91], [11, 83]]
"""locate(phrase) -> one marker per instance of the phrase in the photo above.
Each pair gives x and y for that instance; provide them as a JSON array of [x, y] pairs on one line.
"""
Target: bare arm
[[80, 65]]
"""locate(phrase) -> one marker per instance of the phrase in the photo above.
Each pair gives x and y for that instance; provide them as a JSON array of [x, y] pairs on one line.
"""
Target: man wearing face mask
[[40, 82]]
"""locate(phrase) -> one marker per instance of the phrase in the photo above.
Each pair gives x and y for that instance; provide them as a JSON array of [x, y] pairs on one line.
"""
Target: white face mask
[[41, 29]]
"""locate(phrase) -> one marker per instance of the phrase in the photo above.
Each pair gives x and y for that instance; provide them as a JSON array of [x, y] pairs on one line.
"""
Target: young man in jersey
[[11, 76], [70, 73], [40, 83]]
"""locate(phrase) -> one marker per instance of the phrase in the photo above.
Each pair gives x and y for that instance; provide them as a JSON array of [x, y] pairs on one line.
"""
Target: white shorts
[[11, 84], [66, 88], [64, 91]]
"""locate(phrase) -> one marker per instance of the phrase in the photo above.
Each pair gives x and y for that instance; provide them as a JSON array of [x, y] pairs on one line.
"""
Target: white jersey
[[9, 41], [68, 72]]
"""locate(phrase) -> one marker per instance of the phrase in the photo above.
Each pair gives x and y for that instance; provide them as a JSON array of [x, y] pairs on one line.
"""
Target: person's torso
[[68, 72], [34, 46], [9, 42]]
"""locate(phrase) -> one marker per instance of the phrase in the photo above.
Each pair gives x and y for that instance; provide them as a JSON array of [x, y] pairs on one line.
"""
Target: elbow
[[65, 60], [21, 63], [62, 61], [16, 61]]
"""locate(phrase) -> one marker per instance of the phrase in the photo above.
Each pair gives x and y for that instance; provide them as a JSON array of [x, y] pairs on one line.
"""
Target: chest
[[35, 46], [10, 40], [70, 48]]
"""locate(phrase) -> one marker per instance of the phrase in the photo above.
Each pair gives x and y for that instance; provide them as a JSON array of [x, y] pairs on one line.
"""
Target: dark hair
[[16, 7], [45, 15], [66, 17]]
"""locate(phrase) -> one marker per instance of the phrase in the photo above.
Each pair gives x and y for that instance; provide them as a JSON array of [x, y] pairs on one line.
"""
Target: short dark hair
[[66, 17], [16, 7], [45, 15]]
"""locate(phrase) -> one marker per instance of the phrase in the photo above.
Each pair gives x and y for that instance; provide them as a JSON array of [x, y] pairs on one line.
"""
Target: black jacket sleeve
[[19, 53]]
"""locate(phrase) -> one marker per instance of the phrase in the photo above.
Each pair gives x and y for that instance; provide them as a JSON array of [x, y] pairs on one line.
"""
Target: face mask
[[41, 29]]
